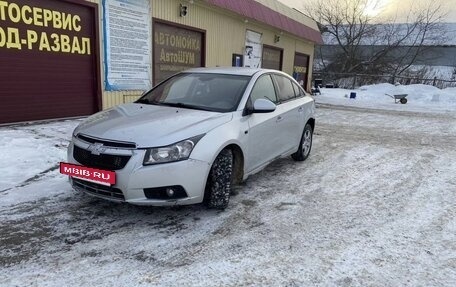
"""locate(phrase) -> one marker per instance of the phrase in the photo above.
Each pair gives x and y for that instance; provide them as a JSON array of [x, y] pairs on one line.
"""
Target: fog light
[[165, 193], [170, 192]]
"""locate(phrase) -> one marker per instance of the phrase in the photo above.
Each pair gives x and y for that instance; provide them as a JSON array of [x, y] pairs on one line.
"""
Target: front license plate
[[104, 177]]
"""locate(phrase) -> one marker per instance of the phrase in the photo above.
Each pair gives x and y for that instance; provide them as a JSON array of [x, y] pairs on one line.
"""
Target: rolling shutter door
[[48, 63]]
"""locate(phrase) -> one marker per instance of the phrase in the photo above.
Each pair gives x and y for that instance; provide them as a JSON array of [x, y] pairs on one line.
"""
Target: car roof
[[227, 70]]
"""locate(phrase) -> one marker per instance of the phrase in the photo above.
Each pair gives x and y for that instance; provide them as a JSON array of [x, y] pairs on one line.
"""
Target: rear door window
[[284, 88], [298, 91]]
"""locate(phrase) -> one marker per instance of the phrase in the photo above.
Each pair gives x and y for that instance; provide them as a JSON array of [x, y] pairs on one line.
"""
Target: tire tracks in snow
[[358, 134], [428, 115]]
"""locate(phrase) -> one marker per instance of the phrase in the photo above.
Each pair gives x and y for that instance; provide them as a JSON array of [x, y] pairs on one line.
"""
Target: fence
[[352, 81]]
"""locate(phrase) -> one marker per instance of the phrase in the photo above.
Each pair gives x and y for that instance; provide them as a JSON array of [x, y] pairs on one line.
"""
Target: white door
[[265, 139], [291, 116]]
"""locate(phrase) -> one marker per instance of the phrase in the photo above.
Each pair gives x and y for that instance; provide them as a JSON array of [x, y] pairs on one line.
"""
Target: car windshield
[[201, 91]]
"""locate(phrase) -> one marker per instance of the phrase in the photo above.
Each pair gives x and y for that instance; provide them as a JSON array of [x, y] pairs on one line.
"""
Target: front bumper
[[134, 178]]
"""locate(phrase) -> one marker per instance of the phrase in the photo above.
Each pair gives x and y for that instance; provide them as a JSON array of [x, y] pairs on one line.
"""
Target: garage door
[[300, 69], [272, 58], [48, 61]]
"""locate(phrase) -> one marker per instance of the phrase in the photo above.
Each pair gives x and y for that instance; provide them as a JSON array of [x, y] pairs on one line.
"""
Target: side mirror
[[263, 106]]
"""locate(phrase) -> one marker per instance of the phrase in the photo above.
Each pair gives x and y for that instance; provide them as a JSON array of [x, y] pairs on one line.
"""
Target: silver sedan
[[191, 137]]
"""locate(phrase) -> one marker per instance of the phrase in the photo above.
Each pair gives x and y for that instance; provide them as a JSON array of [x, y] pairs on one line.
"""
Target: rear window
[[298, 91]]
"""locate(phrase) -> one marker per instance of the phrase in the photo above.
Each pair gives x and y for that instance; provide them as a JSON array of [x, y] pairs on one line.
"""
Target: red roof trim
[[261, 13]]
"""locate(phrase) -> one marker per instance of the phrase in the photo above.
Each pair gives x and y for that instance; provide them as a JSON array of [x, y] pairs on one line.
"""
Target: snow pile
[[421, 98]]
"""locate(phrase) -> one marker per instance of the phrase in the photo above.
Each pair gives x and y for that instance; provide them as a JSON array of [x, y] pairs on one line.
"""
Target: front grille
[[102, 161], [98, 189]]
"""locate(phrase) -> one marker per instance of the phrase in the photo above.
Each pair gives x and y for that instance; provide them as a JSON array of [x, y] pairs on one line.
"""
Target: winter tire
[[218, 186], [305, 145]]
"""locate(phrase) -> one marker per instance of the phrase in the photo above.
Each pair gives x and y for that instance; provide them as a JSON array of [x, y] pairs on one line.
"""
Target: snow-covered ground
[[421, 98], [374, 205], [39, 148]]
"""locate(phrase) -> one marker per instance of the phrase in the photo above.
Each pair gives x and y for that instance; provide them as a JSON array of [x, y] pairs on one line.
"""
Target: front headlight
[[175, 152]]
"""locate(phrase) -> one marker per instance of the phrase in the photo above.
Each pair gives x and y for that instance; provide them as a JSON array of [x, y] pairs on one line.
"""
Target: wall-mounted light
[[183, 10], [276, 38]]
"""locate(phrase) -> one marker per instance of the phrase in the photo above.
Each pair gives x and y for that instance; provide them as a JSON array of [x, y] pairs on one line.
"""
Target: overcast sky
[[391, 7]]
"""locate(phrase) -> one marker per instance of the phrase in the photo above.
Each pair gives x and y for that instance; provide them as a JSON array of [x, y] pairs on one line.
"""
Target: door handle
[[279, 119], [301, 109]]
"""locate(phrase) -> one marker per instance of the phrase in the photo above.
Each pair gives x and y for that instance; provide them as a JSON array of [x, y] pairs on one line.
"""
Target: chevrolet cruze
[[191, 137]]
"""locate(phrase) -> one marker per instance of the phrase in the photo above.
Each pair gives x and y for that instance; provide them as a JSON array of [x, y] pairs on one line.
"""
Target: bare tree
[[362, 43], [426, 30]]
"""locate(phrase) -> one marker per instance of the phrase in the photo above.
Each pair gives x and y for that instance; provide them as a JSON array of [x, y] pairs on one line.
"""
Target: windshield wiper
[[186, 106], [143, 101]]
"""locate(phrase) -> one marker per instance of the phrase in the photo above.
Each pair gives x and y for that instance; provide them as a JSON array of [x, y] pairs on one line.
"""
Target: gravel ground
[[374, 205]]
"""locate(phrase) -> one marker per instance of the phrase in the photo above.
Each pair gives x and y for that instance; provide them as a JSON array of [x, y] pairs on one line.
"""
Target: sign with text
[[253, 49], [127, 45], [104, 177], [48, 59], [175, 49], [41, 26]]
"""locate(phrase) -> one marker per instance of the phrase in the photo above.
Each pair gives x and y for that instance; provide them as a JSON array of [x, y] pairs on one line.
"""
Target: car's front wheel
[[218, 186], [305, 144]]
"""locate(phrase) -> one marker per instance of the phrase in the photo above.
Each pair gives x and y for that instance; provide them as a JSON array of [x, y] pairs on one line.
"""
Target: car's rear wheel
[[218, 186], [305, 144]]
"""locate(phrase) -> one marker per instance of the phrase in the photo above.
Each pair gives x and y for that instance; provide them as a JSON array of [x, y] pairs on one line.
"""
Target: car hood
[[150, 125]]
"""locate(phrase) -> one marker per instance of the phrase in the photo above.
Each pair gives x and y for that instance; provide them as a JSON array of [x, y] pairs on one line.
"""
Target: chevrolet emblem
[[96, 148]]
